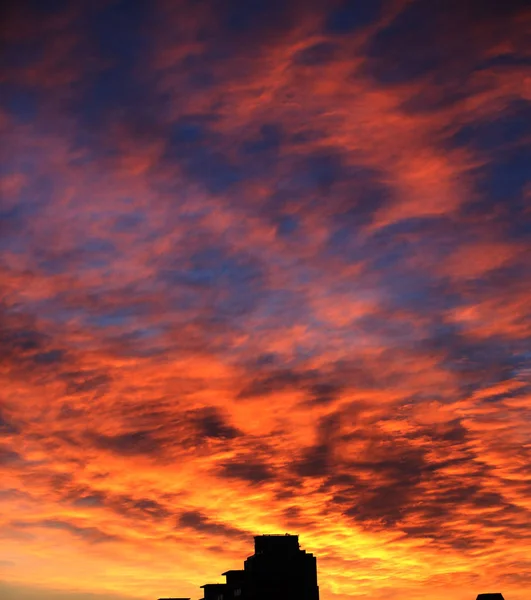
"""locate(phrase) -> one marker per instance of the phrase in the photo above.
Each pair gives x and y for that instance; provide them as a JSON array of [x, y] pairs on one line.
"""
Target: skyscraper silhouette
[[280, 569], [277, 570]]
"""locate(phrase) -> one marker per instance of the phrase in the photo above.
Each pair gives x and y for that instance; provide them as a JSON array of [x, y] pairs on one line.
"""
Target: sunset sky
[[264, 268]]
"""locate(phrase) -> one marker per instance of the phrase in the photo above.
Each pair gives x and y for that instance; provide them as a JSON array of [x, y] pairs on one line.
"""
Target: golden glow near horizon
[[265, 270]]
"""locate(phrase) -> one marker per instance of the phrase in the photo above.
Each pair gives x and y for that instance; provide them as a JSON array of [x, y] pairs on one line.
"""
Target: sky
[[264, 267]]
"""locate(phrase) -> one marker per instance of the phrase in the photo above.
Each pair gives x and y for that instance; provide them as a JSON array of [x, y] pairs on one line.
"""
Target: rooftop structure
[[278, 569]]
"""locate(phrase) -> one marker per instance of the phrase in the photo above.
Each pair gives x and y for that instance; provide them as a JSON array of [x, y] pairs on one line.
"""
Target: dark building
[[215, 591], [278, 570]]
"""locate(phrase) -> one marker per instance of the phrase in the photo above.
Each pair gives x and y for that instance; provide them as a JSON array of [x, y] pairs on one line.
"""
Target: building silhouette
[[280, 569], [277, 570]]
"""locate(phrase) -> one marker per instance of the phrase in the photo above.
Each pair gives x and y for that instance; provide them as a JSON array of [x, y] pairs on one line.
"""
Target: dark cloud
[[317, 54], [49, 358], [128, 444], [423, 40], [9, 457], [139, 508], [388, 503], [502, 185], [273, 382], [324, 393], [7, 427], [19, 341], [317, 461], [91, 500], [200, 523], [467, 358], [320, 387], [250, 471], [131, 507], [202, 161], [401, 485], [85, 381], [231, 284], [211, 424]]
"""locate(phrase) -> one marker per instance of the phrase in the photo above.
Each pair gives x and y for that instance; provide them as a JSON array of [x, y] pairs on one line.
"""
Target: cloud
[[140, 508], [211, 424], [265, 265], [6, 426], [250, 471], [203, 525], [437, 39], [129, 443], [92, 535]]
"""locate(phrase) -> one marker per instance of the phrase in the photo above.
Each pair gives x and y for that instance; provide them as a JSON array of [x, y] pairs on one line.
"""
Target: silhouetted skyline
[[279, 569]]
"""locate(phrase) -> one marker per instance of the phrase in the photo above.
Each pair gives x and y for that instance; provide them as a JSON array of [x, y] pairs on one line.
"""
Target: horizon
[[264, 266]]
